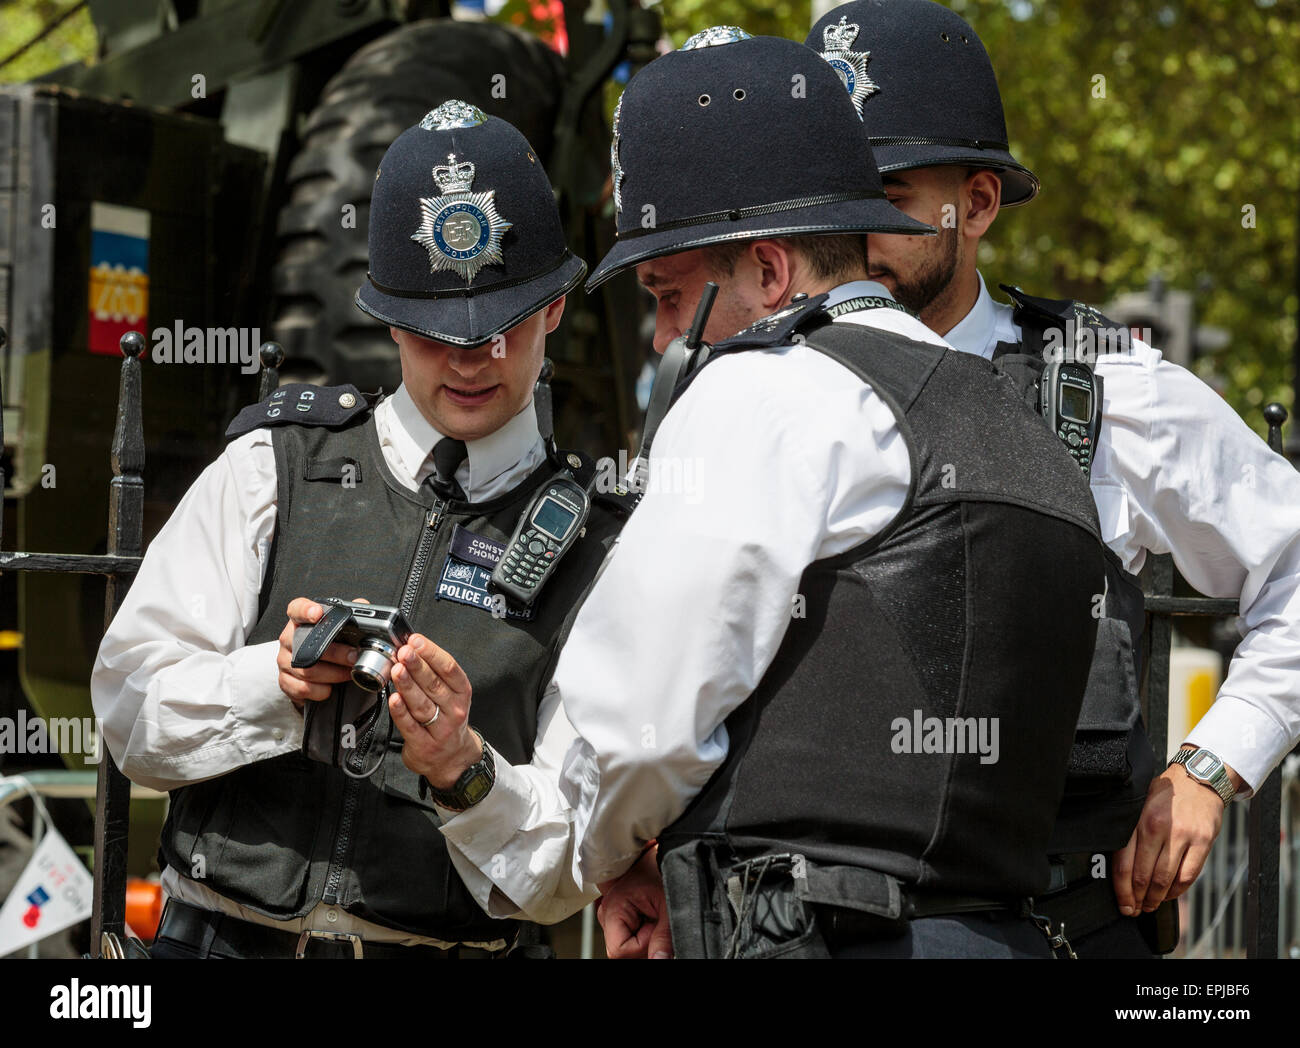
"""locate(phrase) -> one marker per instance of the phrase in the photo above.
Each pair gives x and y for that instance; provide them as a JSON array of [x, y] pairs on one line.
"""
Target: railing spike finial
[[1275, 415], [272, 356]]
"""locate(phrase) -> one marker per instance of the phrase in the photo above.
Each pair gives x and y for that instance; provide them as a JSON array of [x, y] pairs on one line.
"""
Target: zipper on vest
[[421, 560], [351, 796], [352, 791]]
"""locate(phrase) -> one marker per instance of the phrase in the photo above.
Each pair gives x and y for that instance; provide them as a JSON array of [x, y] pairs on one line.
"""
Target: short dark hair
[[835, 255]]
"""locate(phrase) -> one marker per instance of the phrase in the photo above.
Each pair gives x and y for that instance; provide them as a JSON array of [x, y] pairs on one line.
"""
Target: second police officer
[[1174, 471], [808, 678], [287, 839]]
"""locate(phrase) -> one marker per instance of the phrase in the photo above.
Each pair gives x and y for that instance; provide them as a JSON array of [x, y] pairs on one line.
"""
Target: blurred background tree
[[69, 36], [1166, 134]]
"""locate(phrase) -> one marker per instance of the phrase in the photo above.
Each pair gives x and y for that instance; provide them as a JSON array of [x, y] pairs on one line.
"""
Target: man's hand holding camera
[[429, 704], [311, 683]]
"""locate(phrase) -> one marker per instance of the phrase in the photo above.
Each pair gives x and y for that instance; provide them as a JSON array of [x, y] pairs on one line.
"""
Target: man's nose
[[664, 334], [469, 362]]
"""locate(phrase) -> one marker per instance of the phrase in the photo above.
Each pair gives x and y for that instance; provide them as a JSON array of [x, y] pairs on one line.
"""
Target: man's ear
[[553, 314], [983, 193], [773, 265], [393, 332]]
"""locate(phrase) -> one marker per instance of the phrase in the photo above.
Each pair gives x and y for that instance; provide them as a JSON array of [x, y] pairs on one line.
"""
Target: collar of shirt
[[987, 324], [880, 317], [495, 463]]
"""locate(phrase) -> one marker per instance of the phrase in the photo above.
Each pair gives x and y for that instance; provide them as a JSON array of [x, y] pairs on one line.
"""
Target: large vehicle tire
[[384, 88]]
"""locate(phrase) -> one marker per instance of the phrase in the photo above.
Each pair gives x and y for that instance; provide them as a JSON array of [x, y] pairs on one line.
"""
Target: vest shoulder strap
[[302, 404], [1062, 325]]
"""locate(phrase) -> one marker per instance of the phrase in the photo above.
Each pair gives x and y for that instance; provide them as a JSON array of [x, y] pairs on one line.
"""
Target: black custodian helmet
[[465, 238], [739, 137], [924, 86]]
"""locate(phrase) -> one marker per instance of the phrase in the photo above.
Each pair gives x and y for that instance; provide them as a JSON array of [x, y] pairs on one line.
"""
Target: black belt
[[841, 925], [206, 930]]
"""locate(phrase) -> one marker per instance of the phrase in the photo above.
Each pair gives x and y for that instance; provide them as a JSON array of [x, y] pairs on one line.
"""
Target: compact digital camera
[[377, 630]]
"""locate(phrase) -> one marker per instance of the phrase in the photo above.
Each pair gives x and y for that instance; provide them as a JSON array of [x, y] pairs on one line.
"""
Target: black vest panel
[[862, 745], [1112, 762], [282, 835]]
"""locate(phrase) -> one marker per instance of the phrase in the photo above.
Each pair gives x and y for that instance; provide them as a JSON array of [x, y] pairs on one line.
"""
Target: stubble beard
[[932, 280]]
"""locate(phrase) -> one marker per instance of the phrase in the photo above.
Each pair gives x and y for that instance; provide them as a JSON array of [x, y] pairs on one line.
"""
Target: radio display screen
[[1076, 404], [553, 519]]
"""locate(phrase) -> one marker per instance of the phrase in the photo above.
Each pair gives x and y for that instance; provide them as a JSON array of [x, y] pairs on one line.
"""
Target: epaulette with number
[[302, 404], [1064, 315]]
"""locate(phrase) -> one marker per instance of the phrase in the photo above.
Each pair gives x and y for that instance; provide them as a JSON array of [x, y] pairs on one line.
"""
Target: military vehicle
[[210, 175]]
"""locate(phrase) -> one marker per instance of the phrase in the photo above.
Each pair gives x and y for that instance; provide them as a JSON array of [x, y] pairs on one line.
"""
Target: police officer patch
[[468, 568], [850, 66], [461, 230]]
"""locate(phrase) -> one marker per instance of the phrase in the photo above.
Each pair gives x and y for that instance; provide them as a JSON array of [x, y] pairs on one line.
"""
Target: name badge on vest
[[468, 568]]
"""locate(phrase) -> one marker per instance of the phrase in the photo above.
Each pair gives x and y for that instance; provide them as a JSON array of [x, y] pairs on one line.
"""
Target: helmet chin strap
[[542, 406]]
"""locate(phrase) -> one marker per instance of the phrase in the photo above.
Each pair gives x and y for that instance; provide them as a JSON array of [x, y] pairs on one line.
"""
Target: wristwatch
[[473, 784], [1206, 768]]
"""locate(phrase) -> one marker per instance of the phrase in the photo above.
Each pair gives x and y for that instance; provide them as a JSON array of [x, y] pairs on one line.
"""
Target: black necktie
[[448, 454]]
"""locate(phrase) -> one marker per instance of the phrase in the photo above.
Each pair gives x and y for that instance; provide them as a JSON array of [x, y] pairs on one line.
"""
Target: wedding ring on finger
[[437, 712]]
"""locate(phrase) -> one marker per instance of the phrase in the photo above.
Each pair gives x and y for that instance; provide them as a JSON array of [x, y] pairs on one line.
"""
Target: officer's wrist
[[1238, 783], [469, 753]]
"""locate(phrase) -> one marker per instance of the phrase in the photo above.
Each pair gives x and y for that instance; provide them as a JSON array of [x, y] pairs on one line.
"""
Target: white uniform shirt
[[772, 460], [180, 696], [1177, 471]]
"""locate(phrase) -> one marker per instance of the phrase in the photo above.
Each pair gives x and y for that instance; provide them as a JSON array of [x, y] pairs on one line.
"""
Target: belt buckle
[[301, 952]]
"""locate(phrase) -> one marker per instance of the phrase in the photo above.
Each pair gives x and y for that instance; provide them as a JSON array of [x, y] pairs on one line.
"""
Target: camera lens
[[374, 665]]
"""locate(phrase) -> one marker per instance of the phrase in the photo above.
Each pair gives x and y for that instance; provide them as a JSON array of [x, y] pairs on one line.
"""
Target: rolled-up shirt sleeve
[[179, 696], [1195, 481]]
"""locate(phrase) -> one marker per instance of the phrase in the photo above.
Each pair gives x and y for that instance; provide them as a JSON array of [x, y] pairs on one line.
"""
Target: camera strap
[[309, 645]]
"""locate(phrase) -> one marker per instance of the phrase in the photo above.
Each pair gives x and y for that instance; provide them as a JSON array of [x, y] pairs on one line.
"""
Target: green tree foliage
[[23, 20]]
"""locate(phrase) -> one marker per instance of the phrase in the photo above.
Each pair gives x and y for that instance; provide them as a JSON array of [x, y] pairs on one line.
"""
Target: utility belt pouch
[[720, 908], [690, 874], [1160, 928]]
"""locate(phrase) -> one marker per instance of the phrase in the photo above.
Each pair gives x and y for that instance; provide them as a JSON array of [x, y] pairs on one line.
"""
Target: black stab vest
[[974, 603], [281, 835], [1112, 762]]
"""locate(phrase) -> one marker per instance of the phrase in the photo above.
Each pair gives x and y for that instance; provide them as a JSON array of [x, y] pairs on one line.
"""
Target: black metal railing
[[125, 542], [119, 565]]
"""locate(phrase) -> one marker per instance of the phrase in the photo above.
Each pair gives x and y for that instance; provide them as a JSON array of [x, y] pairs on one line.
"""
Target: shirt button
[[468, 838], [331, 915], [277, 733]]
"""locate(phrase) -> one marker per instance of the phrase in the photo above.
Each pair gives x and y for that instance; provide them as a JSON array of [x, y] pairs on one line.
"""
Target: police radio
[[1070, 399], [544, 534]]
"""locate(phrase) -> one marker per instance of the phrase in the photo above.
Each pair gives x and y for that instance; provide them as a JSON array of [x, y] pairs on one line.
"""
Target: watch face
[[1204, 764], [478, 787]]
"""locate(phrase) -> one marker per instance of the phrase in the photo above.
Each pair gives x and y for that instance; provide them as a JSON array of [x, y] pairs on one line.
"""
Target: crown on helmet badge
[[849, 65], [460, 229]]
